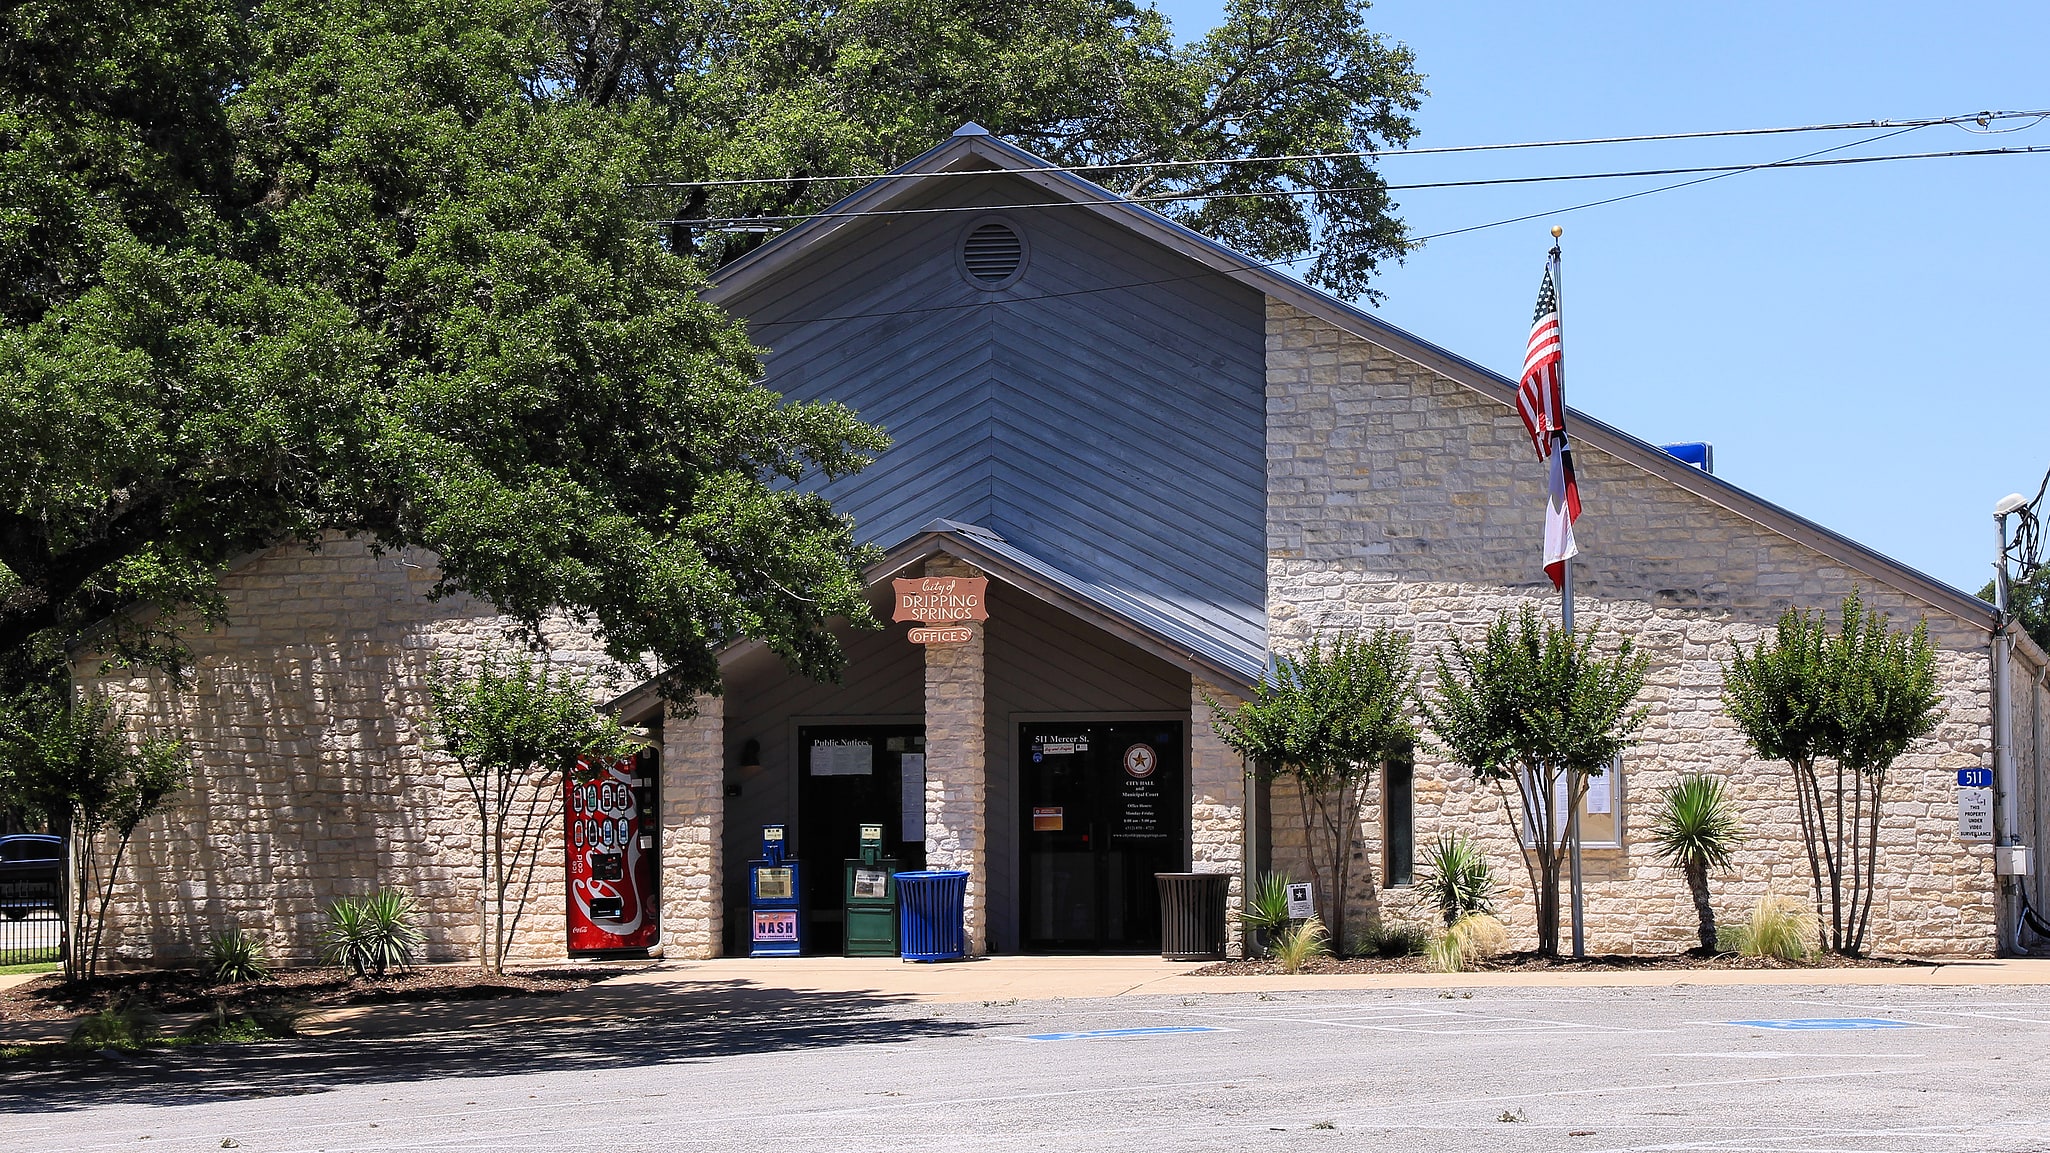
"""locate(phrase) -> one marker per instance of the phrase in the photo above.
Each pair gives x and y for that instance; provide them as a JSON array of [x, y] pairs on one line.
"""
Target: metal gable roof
[[973, 147], [1182, 639]]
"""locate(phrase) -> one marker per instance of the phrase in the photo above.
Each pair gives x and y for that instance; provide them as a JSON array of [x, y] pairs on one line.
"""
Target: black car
[[31, 868]]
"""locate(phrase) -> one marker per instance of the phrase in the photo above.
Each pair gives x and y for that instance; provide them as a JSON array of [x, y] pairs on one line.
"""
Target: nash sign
[[942, 600]]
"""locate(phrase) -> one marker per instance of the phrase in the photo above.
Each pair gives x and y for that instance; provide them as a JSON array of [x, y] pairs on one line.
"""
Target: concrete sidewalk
[[832, 986]]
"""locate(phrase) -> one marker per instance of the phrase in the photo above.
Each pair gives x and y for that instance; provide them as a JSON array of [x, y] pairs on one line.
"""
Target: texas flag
[[1562, 508], [1541, 402]]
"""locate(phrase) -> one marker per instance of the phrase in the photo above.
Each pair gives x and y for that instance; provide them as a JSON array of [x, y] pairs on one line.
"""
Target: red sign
[[938, 600], [610, 840], [957, 635]]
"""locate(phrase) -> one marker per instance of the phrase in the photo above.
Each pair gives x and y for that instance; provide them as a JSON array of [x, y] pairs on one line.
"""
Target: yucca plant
[[1266, 912], [1302, 944], [1458, 878], [371, 935], [1697, 830], [233, 956], [1465, 942], [1777, 928]]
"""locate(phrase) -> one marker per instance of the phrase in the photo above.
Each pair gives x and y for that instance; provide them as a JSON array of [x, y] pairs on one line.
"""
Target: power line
[[1290, 261], [1983, 120], [719, 222]]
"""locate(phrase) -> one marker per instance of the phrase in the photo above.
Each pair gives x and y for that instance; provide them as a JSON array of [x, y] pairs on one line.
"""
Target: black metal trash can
[[1192, 915]]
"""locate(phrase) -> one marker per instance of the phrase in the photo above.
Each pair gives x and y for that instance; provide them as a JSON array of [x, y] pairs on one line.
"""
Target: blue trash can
[[930, 914]]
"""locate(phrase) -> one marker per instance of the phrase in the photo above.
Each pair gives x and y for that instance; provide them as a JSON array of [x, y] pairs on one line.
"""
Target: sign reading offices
[[941, 604]]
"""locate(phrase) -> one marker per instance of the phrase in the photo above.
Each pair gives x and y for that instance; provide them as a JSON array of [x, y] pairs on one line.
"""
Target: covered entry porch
[[1060, 756]]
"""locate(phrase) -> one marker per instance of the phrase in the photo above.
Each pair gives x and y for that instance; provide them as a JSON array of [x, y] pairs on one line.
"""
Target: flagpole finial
[[1557, 232]]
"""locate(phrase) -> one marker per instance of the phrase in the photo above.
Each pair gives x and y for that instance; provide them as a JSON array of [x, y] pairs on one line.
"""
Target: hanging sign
[[940, 600], [955, 635]]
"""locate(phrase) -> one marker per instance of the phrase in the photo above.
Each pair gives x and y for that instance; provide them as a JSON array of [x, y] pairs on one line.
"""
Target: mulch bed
[[51, 998], [1533, 963]]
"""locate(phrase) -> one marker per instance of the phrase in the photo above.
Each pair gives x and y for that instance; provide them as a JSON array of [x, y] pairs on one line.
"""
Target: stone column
[[693, 825], [1217, 800], [956, 781]]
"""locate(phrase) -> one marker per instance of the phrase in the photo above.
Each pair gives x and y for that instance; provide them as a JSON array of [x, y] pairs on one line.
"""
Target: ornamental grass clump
[[1466, 942], [1777, 927], [1302, 944], [370, 936]]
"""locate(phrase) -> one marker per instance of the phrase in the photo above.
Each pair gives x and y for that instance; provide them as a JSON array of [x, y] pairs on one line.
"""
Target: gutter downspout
[[2003, 752]]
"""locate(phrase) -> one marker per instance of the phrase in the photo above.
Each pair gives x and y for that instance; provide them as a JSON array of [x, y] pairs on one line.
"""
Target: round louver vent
[[992, 254]]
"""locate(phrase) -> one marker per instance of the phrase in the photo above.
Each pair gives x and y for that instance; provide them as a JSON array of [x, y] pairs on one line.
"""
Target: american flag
[[1541, 398]]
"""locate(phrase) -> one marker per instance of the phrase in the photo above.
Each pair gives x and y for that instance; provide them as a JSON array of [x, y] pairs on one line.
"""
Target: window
[[1398, 809], [1601, 813]]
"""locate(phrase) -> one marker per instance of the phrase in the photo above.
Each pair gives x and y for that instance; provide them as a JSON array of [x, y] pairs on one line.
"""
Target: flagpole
[[1566, 618]]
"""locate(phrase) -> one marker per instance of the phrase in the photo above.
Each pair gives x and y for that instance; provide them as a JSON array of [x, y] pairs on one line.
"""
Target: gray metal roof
[[972, 146]]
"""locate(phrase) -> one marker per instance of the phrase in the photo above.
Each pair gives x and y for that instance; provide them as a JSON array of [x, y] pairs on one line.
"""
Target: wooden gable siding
[[1119, 433]]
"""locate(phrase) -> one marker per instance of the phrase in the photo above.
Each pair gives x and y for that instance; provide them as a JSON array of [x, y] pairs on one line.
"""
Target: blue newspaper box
[[774, 890]]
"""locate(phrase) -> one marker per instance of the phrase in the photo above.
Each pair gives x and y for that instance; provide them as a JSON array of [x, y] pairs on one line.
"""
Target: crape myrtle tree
[[1535, 711], [69, 765], [1839, 707], [517, 731], [388, 268], [1327, 716]]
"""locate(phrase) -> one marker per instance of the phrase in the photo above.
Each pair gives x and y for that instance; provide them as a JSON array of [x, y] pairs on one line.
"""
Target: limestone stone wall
[[1217, 798], [693, 825], [314, 776], [1399, 497], [956, 762]]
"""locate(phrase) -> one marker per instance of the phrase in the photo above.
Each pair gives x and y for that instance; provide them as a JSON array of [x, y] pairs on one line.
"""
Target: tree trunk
[[1704, 913]]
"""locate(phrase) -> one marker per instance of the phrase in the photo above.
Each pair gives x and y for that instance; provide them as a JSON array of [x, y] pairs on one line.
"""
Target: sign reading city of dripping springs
[[941, 604]]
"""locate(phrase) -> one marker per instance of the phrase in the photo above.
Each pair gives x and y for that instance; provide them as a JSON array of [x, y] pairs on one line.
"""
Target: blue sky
[[1865, 345]]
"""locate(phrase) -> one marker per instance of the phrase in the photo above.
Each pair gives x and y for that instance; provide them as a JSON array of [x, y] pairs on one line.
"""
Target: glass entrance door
[[848, 776], [1104, 808]]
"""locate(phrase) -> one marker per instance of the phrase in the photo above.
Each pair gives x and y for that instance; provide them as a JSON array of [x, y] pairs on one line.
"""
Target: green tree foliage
[[72, 768], [1855, 698], [1535, 709], [517, 733], [776, 89], [2029, 600], [1327, 716], [1697, 829], [277, 271]]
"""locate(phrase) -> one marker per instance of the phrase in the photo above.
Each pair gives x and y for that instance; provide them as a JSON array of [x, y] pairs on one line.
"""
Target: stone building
[[1167, 463]]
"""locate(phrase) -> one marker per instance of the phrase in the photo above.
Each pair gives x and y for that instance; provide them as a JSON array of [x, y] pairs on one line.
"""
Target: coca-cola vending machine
[[614, 865]]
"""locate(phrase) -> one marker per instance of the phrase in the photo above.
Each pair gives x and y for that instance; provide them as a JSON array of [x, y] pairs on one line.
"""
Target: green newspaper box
[[871, 898]]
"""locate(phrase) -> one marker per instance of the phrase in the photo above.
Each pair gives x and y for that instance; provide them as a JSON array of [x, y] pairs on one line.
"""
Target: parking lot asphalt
[[1783, 1069]]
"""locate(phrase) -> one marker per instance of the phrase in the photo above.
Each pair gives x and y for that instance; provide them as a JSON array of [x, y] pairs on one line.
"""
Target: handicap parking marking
[[1115, 1034], [1816, 1023]]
